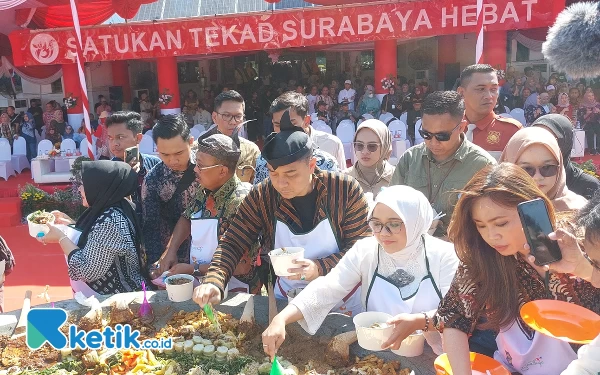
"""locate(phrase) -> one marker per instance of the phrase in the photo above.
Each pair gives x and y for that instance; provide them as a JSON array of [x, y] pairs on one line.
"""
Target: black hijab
[[578, 181], [106, 184]]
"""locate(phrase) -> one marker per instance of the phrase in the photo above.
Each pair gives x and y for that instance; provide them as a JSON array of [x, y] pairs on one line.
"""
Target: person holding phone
[[124, 135], [536, 151], [496, 277]]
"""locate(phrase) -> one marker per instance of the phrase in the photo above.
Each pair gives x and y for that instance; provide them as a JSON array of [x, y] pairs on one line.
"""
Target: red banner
[[277, 30]]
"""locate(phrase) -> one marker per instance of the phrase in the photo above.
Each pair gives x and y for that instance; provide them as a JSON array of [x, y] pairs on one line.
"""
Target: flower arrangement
[[388, 82], [165, 98], [34, 199], [501, 74], [70, 102], [589, 167]]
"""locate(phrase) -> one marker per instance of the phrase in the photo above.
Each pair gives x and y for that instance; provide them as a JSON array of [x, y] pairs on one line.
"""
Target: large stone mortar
[[334, 324]]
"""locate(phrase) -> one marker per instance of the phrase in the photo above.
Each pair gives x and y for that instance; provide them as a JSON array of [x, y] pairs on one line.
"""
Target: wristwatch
[[197, 272]]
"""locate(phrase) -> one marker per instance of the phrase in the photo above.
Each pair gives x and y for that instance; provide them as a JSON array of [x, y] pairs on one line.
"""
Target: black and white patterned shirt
[[109, 261]]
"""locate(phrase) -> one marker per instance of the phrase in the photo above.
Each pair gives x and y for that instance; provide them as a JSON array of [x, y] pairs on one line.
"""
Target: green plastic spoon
[[276, 368], [208, 310]]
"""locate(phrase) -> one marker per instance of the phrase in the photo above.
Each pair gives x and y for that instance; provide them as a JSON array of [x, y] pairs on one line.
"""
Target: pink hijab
[[562, 198]]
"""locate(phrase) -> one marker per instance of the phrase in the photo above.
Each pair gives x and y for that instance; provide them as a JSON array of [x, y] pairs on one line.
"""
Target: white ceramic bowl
[[372, 338], [282, 261], [34, 228], [293, 293], [180, 293], [412, 346]]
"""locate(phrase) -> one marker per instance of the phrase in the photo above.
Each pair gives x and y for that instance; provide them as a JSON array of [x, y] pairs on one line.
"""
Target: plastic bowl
[[480, 365], [282, 261], [293, 293], [182, 292], [412, 346], [372, 338], [34, 228]]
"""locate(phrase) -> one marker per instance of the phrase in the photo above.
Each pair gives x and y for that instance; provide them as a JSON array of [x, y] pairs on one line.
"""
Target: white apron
[[77, 285], [205, 240], [535, 354], [388, 298], [317, 243]]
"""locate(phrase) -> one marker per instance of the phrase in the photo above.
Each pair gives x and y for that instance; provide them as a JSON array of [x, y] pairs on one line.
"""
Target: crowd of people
[[435, 241]]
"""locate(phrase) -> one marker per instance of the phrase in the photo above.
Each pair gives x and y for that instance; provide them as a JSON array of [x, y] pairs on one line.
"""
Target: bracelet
[[426, 322], [62, 238]]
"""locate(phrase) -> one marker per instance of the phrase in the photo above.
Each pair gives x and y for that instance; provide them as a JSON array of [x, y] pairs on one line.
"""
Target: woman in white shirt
[[403, 271]]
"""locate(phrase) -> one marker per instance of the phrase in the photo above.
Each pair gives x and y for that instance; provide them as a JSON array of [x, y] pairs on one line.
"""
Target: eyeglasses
[[545, 171], [392, 227], [228, 117], [371, 147], [204, 168], [441, 136]]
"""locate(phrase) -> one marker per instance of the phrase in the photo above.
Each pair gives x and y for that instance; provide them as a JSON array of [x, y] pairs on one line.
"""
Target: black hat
[[288, 146]]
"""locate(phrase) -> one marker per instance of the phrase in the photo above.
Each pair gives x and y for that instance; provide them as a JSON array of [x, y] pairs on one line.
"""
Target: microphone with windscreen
[[573, 42]]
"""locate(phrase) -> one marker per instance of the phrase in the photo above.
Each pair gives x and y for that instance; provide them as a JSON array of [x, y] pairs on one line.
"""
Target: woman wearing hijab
[[6, 130], [537, 152], [28, 133], [404, 272], [103, 249], [372, 147], [588, 116], [52, 133], [564, 107], [369, 103], [578, 181]]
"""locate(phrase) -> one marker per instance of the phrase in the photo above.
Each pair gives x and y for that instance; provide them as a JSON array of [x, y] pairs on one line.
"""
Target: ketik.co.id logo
[[43, 326]]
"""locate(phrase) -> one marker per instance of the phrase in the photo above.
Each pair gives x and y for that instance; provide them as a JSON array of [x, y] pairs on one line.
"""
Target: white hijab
[[413, 209]]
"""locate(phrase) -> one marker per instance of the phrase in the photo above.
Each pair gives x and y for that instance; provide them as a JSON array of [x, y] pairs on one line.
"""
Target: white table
[[52, 170], [578, 144]]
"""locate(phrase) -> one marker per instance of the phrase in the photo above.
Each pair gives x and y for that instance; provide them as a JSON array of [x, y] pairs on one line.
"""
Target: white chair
[[399, 141], [44, 147], [146, 145], [403, 117], [19, 156], [345, 132], [385, 117], [68, 145], [418, 138], [322, 126], [194, 132], [83, 147], [519, 115], [200, 127], [6, 167]]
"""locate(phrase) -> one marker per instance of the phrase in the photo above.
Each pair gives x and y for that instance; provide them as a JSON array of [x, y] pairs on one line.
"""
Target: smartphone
[[537, 226], [131, 155]]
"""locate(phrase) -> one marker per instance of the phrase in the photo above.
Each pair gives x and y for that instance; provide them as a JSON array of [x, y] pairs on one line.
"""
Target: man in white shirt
[[202, 116], [347, 94], [312, 100]]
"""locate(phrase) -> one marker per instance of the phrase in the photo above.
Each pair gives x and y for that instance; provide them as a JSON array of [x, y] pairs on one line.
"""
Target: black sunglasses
[[371, 147], [545, 171], [441, 136]]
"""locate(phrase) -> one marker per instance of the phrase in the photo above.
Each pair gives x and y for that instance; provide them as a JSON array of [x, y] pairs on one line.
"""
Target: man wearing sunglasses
[[228, 116], [446, 161], [479, 88]]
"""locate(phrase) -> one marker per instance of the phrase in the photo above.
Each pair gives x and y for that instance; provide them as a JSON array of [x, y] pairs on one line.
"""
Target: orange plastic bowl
[[562, 320], [480, 364]]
